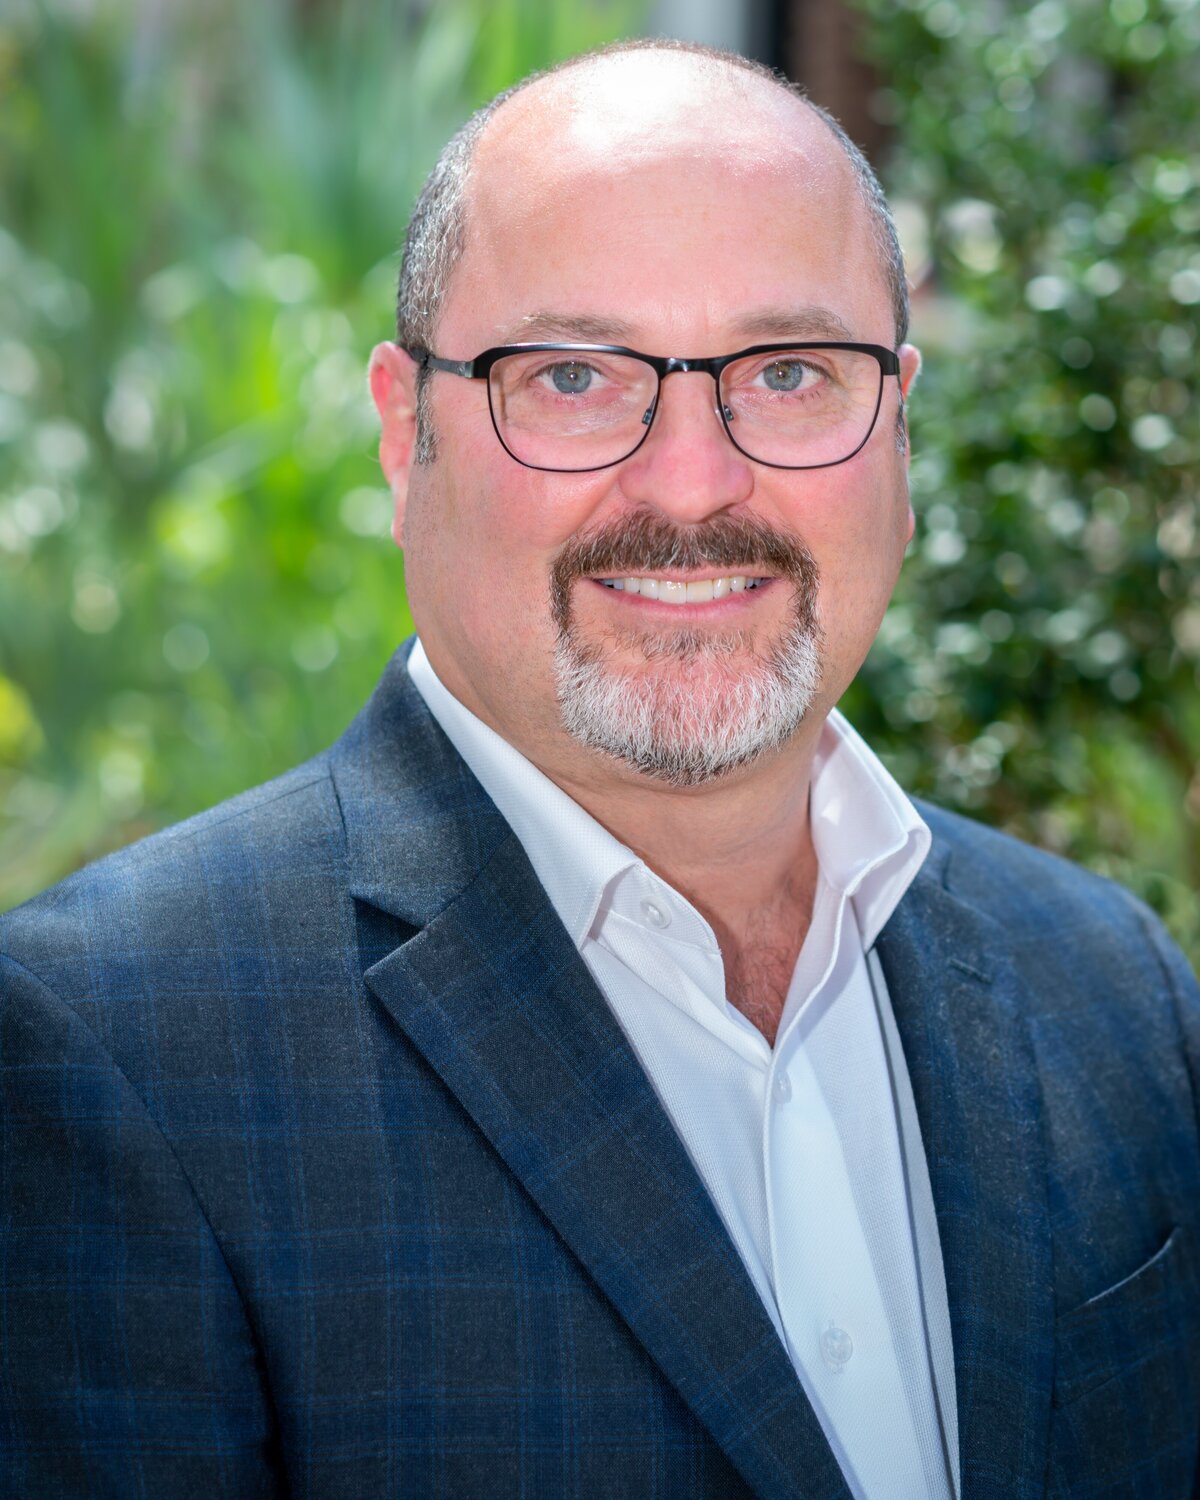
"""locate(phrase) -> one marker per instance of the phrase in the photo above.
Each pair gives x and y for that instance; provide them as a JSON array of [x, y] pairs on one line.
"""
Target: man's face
[[596, 216]]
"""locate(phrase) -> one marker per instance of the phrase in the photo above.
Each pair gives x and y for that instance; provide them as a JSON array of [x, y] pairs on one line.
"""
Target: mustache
[[648, 542]]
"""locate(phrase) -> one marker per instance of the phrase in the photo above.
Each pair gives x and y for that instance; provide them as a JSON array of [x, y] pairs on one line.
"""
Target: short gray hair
[[437, 230]]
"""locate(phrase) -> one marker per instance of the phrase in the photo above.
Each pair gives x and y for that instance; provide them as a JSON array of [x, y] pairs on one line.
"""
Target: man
[[592, 1076]]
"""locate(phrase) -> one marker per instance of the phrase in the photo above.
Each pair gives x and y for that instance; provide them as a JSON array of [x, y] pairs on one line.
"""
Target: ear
[[392, 375], [910, 367]]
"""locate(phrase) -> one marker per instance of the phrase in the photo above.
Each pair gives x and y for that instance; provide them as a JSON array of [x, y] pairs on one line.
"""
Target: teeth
[[681, 591]]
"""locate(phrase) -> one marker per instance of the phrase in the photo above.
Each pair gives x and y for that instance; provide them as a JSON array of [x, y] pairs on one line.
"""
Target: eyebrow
[[543, 326], [794, 323], [784, 323]]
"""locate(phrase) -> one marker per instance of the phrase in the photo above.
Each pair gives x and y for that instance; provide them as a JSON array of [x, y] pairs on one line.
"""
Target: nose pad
[[721, 411]]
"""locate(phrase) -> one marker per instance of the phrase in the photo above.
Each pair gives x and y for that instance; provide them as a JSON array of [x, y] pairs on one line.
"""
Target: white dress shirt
[[811, 1151]]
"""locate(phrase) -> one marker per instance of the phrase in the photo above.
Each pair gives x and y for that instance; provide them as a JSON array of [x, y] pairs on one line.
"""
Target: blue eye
[[571, 379], [785, 375]]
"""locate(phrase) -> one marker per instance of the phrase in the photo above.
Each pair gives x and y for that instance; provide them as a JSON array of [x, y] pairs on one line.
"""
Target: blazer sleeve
[[1185, 993], [127, 1364]]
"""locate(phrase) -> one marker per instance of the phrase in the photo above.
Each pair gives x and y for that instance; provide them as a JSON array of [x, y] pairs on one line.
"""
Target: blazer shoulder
[[1000, 871], [184, 884], [1049, 905]]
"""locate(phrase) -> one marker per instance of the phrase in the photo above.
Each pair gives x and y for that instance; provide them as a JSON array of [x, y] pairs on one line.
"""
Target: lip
[[685, 576]]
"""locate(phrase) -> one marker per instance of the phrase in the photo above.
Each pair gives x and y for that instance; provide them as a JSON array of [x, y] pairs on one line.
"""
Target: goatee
[[724, 703]]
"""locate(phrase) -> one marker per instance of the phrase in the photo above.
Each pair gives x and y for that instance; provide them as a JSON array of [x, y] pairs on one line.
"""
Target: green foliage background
[[200, 212], [1039, 668], [200, 209]]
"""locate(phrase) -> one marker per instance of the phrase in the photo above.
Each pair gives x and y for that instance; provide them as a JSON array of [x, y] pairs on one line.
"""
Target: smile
[[684, 591]]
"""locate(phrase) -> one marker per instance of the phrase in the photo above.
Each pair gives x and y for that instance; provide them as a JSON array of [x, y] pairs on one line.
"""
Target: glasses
[[571, 408]]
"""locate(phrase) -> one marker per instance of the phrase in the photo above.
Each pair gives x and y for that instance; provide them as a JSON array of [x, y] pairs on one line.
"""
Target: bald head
[[626, 108], [623, 107]]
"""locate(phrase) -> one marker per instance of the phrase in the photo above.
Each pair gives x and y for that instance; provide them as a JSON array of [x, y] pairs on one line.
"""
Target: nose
[[687, 467]]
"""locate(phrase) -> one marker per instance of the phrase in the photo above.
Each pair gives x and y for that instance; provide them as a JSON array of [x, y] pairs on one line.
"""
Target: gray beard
[[704, 703], [704, 717]]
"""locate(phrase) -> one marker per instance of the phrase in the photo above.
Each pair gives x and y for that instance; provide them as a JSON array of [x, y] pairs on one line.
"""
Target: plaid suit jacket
[[325, 1170]]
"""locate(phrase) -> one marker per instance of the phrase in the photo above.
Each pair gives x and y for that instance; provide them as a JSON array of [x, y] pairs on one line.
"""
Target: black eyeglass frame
[[480, 368]]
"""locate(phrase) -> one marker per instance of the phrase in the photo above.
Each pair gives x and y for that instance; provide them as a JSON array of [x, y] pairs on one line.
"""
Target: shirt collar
[[573, 856], [870, 841]]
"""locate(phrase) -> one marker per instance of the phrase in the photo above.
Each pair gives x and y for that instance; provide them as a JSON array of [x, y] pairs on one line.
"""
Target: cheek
[[497, 504], [859, 537], [481, 536]]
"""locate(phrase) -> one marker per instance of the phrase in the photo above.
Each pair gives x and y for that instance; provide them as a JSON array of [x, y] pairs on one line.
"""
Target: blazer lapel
[[957, 1008], [493, 993]]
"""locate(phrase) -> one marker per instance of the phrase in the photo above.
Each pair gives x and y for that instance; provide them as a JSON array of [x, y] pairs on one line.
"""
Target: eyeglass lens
[[791, 408]]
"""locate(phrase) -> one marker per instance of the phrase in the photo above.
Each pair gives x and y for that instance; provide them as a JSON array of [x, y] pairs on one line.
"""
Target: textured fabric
[[799, 1145], [325, 1170]]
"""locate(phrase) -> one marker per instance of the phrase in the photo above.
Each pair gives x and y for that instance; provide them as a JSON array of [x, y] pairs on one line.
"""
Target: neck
[[741, 851], [733, 847], [739, 847]]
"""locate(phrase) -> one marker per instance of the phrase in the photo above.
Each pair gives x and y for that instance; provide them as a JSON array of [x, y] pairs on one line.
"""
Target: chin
[[689, 708]]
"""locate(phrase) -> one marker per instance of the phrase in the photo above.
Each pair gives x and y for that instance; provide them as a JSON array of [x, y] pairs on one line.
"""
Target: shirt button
[[783, 1087], [836, 1347], [655, 915]]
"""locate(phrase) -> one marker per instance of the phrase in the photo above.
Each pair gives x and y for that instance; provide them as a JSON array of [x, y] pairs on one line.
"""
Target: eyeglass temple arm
[[428, 361]]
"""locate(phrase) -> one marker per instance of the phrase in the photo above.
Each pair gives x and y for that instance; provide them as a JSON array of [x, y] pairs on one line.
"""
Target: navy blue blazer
[[326, 1171]]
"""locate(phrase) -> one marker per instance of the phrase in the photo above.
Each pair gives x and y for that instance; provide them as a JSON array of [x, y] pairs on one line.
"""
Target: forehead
[[678, 195]]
